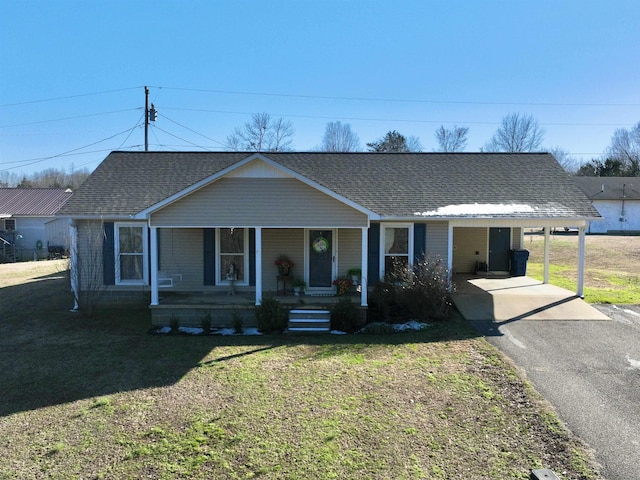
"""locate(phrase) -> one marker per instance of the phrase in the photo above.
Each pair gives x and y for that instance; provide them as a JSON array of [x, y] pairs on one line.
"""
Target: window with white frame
[[233, 255], [131, 254], [397, 242]]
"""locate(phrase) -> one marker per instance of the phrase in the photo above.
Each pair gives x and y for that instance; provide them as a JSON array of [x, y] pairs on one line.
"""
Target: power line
[[67, 97], [180, 138], [70, 118], [398, 120], [399, 100], [32, 161], [191, 130]]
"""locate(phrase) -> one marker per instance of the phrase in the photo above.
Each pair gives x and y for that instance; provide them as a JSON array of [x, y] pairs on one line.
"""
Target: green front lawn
[[102, 398]]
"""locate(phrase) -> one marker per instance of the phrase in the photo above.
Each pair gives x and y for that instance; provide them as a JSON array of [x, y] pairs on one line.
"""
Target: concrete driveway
[[585, 360]]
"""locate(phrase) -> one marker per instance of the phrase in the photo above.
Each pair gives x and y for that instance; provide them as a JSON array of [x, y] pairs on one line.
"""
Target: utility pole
[[149, 114], [146, 119]]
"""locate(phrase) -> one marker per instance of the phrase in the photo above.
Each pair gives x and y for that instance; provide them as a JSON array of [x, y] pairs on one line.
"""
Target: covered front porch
[[229, 270], [191, 308]]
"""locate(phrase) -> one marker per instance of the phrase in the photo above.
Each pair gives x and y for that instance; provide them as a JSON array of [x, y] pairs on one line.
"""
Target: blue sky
[[72, 72]]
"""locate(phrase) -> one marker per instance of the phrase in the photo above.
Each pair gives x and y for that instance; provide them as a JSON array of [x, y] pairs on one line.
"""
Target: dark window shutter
[[373, 257], [108, 254], [252, 257], [209, 256], [419, 242]]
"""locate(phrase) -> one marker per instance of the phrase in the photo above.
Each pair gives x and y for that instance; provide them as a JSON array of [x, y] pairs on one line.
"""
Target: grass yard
[[102, 398], [612, 265]]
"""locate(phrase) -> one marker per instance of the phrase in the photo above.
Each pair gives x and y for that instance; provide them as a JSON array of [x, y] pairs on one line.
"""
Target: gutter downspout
[[73, 274]]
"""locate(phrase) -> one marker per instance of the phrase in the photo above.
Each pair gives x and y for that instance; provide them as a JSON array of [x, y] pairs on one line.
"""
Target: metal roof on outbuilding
[[37, 202]]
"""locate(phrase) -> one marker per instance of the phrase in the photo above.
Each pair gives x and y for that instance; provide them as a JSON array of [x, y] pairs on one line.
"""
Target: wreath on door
[[320, 245]]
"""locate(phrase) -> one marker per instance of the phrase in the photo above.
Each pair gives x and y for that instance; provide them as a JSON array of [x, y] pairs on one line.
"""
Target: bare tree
[[395, 142], [338, 137], [517, 133], [262, 134], [87, 278], [625, 147], [451, 140], [566, 161]]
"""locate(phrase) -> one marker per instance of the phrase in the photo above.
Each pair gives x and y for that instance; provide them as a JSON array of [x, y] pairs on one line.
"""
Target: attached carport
[[506, 300], [520, 225]]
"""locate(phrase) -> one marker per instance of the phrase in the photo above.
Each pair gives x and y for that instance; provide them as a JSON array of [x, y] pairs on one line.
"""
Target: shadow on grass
[[50, 356]]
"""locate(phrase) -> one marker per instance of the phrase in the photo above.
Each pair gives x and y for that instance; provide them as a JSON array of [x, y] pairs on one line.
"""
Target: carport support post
[[581, 241], [546, 255]]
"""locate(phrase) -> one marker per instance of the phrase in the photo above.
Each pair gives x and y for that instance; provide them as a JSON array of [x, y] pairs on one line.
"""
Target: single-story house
[[146, 225], [617, 199], [28, 225]]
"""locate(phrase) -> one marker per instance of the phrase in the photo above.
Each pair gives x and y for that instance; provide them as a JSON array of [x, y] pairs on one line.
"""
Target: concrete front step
[[309, 321]]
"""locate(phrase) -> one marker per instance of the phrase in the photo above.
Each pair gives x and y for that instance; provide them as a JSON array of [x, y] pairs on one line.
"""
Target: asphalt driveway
[[589, 369]]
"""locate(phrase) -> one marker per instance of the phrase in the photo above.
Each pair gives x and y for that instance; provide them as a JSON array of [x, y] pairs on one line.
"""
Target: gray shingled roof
[[37, 202], [391, 185], [610, 188]]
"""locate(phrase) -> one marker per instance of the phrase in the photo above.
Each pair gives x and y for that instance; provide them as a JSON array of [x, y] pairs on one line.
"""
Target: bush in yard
[[426, 289], [174, 323], [271, 316], [421, 292], [383, 303], [344, 315], [205, 323], [377, 328]]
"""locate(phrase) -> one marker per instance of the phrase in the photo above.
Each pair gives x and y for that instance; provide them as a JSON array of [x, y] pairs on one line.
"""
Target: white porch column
[[258, 266], [546, 255], [74, 274], [364, 266], [155, 297], [450, 249], [581, 241]]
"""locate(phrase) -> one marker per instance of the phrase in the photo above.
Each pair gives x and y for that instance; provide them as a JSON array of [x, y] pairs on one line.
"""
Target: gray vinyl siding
[[260, 202], [466, 242], [437, 233], [276, 242], [349, 248], [182, 252]]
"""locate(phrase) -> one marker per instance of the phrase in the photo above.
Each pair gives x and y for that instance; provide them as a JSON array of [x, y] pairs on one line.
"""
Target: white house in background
[[28, 226], [617, 199]]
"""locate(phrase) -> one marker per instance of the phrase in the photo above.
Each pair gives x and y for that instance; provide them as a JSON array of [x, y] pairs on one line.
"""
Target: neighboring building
[[617, 199], [28, 226], [151, 222]]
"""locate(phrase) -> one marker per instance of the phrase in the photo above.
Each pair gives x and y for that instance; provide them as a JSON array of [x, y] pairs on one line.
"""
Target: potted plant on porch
[[355, 274], [284, 265], [343, 284], [298, 286]]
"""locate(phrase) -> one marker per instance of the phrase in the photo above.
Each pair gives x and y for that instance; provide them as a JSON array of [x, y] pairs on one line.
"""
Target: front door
[[499, 246], [320, 253]]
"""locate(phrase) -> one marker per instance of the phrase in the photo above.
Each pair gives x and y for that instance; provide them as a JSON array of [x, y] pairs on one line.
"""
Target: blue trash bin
[[519, 260]]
